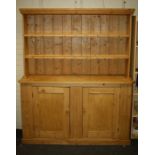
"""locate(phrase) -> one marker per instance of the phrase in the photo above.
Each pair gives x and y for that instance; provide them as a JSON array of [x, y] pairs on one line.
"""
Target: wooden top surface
[[120, 11], [75, 80]]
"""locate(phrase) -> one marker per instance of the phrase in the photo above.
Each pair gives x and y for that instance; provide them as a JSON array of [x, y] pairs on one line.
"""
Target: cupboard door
[[51, 112], [100, 112]]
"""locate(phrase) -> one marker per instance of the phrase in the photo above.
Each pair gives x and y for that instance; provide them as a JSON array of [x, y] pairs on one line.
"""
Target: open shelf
[[31, 56], [81, 44]]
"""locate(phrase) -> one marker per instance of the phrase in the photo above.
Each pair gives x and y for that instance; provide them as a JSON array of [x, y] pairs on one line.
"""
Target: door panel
[[51, 112], [100, 117]]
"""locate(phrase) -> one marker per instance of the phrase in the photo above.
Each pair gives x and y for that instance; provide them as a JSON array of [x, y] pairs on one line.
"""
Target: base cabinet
[[76, 115]]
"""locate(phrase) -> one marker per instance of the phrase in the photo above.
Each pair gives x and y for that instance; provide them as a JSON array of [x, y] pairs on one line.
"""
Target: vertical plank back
[[30, 22], [66, 41], [47, 24]]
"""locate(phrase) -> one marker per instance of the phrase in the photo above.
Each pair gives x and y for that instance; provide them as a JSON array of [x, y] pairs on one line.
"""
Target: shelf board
[[83, 80], [89, 11], [77, 35], [76, 57]]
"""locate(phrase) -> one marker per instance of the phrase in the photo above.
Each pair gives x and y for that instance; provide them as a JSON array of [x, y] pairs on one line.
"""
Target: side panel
[[125, 112], [27, 111]]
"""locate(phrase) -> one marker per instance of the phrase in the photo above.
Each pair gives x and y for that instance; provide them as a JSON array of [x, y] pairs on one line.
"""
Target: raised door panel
[[100, 112], [51, 112]]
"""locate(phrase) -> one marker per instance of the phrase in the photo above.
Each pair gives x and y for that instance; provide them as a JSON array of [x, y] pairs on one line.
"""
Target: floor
[[27, 149]]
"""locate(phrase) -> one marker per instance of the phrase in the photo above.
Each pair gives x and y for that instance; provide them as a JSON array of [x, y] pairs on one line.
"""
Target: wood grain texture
[[79, 80], [76, 112], [51, 112], [75, 11], [82, 34], [100, 105], [77, 38], [101, 57], [133, 47], [76, 142], [27, 111], [125, 112], [48, 24], [129, 45], [30, 24]]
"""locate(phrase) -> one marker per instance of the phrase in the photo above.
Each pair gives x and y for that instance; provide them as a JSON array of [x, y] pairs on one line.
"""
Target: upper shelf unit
[[77, 41]]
